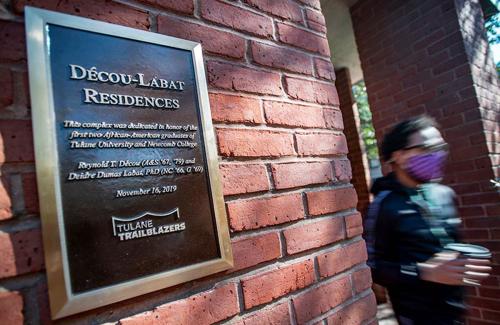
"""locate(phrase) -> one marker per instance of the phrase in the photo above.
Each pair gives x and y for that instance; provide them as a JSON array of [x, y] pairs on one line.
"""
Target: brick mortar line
[[293, 313], [11, 114], [286, 192], [18, 66], [153, 22], [370, 321], [304, 17], [250, 159], [287, 71], [270, 178], [18, 224], [275, 126], [15, 112], [17, 191], [266, 127], [240, 297], [263, 68], [317, 275], [284, 160], [197, 9], [22, 281], [269, 98], [303, 27]]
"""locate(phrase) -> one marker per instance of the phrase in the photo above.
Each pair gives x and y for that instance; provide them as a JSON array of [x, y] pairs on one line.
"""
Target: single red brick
[[333, 119], [324, 68], [314, 234], [303, 39], [254, 250], [362, 279], [276, 315], [281, 58], [321, 144], [312, 3], [289, 175], [317, 27], [341, 259], [30, 193], [343, 170], [287, 114], [312, 91], [212, 40], [263, 288], [229, 108], [254, 143], [257, 213], [321, 299], [184, 6], [17, 140], [330, 201], [5, 203], [21, 252], [108, 11], [7, 93], [13, 47], [243, 178], [11, 308], [237, 18], [285, 9], [204, 308], [315, 16], [354, 225], [233, 77], [356, 313]]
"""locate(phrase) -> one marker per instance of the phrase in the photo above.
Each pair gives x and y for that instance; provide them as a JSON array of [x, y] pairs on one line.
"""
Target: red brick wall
[[432, 57], [357, 154], [296, 238]]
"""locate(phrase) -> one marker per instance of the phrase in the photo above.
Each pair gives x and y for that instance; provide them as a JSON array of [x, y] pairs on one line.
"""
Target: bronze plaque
[[126, 153]]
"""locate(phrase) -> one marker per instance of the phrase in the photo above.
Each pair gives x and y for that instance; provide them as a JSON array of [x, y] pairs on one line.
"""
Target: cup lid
[[470, 250]]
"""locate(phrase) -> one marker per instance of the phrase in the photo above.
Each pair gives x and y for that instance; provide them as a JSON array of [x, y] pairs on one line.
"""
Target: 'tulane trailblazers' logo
[[146, 225]]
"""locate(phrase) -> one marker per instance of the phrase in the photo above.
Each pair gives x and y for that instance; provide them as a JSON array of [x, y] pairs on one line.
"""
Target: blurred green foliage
[[365, 116]]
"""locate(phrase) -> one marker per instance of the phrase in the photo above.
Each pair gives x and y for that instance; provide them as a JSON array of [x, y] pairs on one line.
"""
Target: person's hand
[[449, 268]]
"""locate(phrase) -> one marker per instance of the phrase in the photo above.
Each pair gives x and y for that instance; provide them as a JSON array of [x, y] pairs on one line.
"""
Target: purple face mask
[[426, 167]]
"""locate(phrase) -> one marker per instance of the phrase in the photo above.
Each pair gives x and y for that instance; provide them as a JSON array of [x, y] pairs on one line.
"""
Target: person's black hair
[[399, 135]]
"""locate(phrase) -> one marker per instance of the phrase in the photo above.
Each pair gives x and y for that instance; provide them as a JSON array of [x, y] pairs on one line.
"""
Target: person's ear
[[397, 157]]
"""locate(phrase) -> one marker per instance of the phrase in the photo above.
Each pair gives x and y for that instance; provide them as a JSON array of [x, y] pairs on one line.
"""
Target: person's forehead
[[427, 137]]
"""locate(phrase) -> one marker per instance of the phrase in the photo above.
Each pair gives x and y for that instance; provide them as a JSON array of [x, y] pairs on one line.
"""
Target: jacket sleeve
[[387, 269]]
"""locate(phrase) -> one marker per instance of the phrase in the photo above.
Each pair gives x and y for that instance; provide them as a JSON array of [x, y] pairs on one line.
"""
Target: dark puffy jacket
[[410, 227]]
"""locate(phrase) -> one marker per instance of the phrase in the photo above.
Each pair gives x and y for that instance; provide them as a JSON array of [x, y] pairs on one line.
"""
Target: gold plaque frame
[[62, 301]]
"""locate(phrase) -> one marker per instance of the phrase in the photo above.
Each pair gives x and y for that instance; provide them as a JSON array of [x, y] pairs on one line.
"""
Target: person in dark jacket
[[413, 218]]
